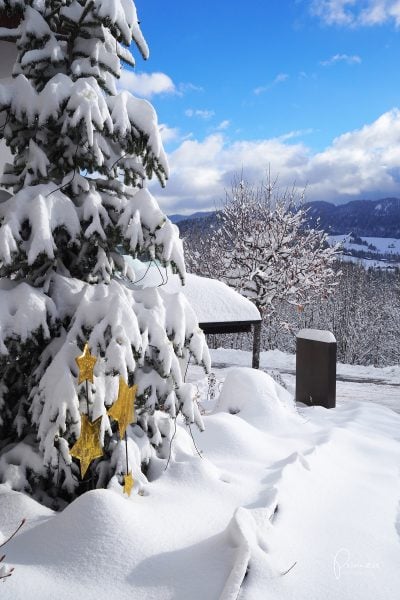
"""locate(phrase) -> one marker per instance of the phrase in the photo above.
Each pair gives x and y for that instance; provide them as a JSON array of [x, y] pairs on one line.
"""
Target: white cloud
[[223, 125], [189, 87], [355, 13], [296, 133], [364, 163], [168, 134], [333, 12], [280, 78], [146, 84], [202, 114], [353, 59]]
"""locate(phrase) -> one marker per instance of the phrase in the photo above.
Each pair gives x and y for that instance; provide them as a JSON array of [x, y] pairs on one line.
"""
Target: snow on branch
[[146, 228], [123, 16], [82, 107], [25, 310], [133, 118], [30, 219]]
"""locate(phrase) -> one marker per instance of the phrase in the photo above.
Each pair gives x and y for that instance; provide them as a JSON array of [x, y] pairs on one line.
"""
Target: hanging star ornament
[[87, 447], [123, 410], [86, 364], [128, 483]]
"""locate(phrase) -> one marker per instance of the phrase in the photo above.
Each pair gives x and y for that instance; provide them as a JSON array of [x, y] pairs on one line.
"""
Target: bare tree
[[262, 247]]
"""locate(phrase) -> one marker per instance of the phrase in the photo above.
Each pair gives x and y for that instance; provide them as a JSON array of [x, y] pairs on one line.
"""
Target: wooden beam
[[256, 345], [227, 327]]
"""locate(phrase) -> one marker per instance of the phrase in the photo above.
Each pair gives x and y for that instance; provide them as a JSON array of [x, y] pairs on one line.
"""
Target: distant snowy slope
[[377, 245]]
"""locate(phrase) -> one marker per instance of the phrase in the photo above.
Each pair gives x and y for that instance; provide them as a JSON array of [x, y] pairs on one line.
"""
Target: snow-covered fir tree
[[82, 154]]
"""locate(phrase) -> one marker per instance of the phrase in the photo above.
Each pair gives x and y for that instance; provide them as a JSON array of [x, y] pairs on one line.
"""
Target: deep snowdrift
[[306, 502]]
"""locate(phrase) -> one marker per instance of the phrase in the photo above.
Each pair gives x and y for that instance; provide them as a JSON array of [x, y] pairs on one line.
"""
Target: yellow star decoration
[[87, 447], [86, 364], [123, 410], [128, 483]]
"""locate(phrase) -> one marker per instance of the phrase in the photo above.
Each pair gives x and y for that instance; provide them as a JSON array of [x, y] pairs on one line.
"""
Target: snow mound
[[88, 526], [15, 506], [255, 397]]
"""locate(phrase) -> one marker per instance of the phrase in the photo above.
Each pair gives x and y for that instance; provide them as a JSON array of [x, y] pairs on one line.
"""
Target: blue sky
[[310, 87]]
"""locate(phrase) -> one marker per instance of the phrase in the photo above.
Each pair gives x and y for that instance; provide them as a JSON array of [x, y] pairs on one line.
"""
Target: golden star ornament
[[87, 447], [123, 410], [86, 364], [128, 483]]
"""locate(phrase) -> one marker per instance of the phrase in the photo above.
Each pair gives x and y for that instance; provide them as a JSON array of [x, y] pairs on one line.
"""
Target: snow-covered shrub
[[82, 154]]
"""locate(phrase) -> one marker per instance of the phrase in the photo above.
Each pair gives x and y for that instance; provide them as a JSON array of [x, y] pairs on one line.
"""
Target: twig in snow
[[289, 569], [13, 534], [10, 571], [187, 366], [275, 512], [194, 443], [170, 446]]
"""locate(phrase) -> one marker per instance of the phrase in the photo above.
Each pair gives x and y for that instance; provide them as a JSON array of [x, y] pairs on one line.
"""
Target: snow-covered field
[[305, 501], [381, 247]]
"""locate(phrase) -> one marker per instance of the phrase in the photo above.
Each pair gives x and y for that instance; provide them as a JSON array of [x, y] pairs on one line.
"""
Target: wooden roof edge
[[244, 322], [228, 326]]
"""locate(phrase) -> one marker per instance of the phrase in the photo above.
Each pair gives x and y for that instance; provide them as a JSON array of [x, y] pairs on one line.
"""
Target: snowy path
[[336, 526]]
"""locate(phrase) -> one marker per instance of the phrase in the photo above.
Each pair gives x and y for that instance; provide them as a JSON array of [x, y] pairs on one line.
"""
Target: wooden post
[[316, 368], [256, 345]]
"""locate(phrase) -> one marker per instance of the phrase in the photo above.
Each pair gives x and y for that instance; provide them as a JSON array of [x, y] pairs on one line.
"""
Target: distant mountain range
[[364, 218], [197, 215]]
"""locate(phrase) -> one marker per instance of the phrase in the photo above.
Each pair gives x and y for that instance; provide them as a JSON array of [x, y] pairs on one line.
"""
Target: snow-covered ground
[[305, 501], [381, 247], [365, 384]]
